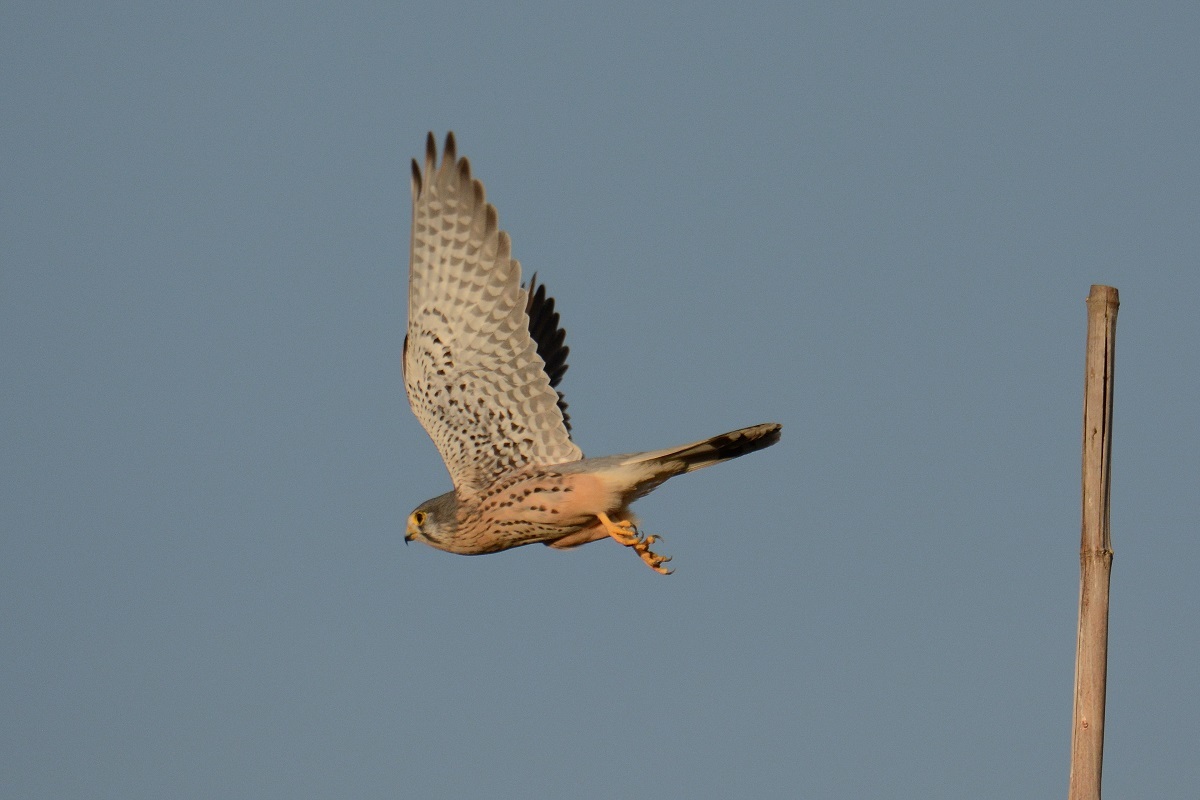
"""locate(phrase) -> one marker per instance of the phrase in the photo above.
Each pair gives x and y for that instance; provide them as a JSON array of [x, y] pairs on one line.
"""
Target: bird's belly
[[540, 507]]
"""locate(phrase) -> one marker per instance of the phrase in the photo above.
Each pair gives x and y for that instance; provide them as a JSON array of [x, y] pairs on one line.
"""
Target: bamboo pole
[[1095, 549]]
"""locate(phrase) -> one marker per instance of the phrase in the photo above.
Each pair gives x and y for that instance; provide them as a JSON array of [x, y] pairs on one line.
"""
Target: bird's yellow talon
[[626, 533]]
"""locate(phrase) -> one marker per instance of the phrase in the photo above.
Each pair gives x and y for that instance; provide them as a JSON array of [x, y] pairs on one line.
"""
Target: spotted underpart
[[523, 507]]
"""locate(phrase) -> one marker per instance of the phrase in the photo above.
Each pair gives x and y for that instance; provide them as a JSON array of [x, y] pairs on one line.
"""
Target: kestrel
[[483, 356]]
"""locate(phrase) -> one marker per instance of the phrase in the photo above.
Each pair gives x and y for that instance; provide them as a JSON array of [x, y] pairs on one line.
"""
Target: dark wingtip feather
[[430, 154], [549, 337]]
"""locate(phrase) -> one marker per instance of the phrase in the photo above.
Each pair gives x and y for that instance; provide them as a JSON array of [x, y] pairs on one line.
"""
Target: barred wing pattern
[[471, 368]]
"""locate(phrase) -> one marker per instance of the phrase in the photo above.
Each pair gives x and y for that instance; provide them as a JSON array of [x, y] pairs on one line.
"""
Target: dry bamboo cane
[[1095, 549]]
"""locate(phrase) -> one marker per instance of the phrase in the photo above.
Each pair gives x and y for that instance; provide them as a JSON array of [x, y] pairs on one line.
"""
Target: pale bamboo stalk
[[1095, 549]]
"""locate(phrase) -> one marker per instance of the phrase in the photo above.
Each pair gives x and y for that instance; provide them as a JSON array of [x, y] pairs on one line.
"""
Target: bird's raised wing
[[472, 371]]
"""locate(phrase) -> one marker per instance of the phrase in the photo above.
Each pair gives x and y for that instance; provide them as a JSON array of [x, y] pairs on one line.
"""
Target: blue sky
[[875, 224]]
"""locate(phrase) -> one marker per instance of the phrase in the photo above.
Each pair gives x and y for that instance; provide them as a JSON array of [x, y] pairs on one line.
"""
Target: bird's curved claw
[[626, 533]]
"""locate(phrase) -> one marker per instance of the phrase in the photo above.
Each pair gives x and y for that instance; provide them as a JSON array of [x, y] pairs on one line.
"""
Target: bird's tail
[[698, 455]]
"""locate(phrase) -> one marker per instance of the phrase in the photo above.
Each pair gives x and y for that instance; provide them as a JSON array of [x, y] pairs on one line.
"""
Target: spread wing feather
[[472, 369], [549, 338]]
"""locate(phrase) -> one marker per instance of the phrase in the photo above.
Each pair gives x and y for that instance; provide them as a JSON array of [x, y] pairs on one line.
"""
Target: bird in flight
[[483, 357]]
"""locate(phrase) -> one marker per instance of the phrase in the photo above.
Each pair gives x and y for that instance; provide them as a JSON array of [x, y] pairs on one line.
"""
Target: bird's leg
[[627, 534], [623, 531]]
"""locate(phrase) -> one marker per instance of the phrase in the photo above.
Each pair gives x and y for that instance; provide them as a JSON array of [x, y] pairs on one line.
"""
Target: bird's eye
[[419, 517]]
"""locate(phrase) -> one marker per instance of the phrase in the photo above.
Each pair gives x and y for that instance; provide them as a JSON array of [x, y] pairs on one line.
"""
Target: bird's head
[[434, 522]]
